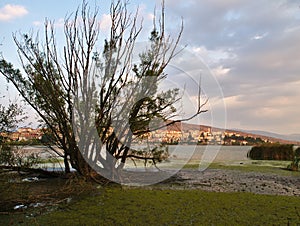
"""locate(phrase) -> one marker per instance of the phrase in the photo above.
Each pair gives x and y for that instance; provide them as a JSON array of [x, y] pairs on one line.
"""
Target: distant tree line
[[240, 139], [272, 152]]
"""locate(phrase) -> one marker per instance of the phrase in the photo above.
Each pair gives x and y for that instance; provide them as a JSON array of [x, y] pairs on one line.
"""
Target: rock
[[19, 207], [30, 179], [233, 181]]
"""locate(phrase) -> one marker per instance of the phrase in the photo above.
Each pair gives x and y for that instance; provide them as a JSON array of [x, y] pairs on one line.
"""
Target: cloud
[[60, 23], [253, 49], [105, 23], [37, 23], [221, 71], [10, 12], [273, 107], [258, 37]]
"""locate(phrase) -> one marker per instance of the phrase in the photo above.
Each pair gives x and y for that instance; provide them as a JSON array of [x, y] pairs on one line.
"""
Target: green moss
[[141, 206], [51, 160], [156, 205], [260, 166]]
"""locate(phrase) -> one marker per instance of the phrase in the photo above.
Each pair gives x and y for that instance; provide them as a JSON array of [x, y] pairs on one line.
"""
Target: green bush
[[294, 166], [297, 152], [272, 152], [12, 157], [6, 155]]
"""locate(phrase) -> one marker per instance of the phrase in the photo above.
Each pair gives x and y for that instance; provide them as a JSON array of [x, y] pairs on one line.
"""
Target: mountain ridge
[[291, 137]]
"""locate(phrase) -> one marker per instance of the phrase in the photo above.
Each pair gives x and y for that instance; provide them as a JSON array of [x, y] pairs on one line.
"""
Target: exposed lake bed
[[229, 170], [222, 180]]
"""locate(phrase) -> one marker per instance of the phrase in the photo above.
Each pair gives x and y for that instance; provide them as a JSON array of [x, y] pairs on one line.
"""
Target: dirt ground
[[23, 191]]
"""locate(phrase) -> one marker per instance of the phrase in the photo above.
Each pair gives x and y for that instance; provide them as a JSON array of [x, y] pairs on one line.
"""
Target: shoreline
[[227, 180]]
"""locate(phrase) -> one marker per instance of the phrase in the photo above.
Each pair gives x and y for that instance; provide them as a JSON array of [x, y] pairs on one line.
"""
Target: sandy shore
[[221, 180]]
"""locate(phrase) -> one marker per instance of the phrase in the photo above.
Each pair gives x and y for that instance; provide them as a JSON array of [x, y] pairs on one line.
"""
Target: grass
[[157, 205], [50, 160], [260, 166], [141, 206]]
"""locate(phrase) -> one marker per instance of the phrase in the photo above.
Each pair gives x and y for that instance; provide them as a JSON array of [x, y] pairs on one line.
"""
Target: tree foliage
[[272, 152], [91, 100], [294, 166], [10, 117]]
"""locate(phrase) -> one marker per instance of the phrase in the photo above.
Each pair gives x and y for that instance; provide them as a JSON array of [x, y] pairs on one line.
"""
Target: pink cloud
[[9, 12]]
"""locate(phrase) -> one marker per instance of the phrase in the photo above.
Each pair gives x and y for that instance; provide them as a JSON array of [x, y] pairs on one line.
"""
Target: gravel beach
[[220, 180]]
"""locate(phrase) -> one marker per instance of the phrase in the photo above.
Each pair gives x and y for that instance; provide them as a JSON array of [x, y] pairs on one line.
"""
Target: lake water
[[201, 155], [179, 155], [219, 153]]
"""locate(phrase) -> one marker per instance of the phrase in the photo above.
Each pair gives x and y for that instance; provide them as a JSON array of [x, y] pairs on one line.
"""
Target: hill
[[272, 137]]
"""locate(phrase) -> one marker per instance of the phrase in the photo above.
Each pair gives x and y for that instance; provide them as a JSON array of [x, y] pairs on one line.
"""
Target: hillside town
[[24, 134], [204, 135]]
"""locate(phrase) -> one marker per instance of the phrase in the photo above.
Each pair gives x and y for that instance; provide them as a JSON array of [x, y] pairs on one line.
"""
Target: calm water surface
[[221, 153], [179, 155]]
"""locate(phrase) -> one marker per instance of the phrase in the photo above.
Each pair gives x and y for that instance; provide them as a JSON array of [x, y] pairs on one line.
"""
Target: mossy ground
[[92, 204], [140, 206], [261, 166]]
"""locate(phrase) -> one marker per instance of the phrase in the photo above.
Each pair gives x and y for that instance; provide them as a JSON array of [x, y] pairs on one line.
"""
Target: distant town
[[205, 135], [174, 134]]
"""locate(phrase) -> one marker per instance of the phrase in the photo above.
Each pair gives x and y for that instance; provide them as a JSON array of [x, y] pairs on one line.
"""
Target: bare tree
[[93, 101]]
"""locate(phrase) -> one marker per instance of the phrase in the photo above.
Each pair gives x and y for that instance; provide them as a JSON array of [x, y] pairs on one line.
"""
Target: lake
[[220, 153], [179, 155]]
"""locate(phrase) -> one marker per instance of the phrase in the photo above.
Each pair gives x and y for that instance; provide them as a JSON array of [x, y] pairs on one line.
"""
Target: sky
[[247, 53]]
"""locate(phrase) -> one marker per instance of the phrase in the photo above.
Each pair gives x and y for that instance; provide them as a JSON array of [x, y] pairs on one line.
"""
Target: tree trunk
[[66, 163], [79, 163]]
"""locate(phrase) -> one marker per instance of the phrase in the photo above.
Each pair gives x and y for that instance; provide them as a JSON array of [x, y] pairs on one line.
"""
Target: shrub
[[297, 152], [10, 156], [272, 152], [294, 166], [6, 155]]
